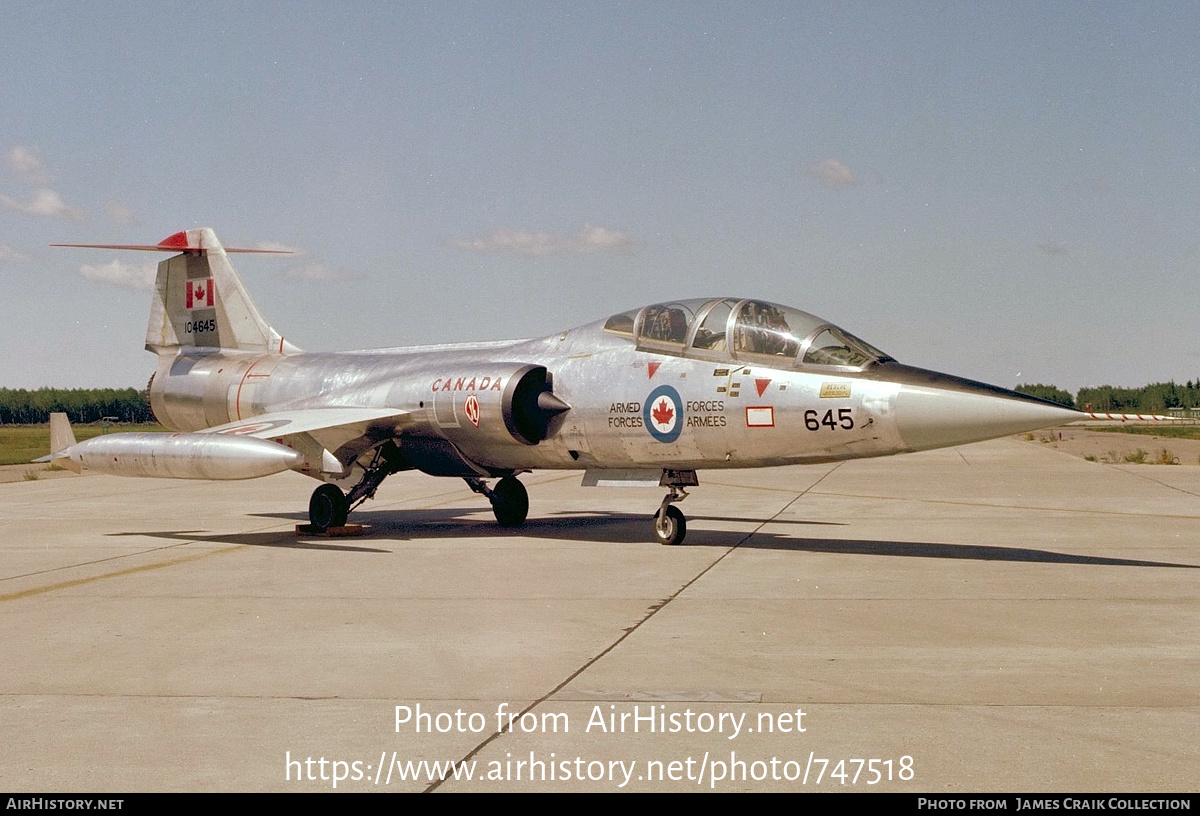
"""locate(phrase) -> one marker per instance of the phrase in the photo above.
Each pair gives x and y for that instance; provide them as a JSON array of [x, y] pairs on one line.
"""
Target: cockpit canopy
[[744, 330]]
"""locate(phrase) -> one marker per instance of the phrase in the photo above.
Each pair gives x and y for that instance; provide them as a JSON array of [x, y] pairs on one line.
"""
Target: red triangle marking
[[651, 368], [761, 385], [177, 241]]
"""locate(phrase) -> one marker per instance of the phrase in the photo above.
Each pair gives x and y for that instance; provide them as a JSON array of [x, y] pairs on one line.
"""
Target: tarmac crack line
[[1158, 482], [40, 590], [654, 610], [989, 505]]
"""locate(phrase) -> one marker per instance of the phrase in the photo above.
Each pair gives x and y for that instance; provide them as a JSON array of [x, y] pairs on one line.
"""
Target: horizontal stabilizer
[[179, 242]]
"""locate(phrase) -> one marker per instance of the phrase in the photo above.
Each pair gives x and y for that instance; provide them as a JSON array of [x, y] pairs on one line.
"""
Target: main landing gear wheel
[[510, 502], [327, 508], [669, 525]]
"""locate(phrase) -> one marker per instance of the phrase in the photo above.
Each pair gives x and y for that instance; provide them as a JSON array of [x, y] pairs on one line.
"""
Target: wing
[[334, 437]]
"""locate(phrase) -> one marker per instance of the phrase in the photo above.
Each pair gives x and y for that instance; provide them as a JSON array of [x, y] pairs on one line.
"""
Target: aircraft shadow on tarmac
[[288, 541], [624, 528]]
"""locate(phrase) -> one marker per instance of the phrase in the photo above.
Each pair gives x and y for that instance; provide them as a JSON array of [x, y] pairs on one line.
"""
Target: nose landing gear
[[670, 526]]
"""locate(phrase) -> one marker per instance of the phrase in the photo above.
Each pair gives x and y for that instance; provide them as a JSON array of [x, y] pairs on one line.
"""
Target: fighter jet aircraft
[[651, 395]]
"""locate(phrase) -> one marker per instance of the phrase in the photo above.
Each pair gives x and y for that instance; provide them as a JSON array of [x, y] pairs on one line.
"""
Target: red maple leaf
[[662, 413]]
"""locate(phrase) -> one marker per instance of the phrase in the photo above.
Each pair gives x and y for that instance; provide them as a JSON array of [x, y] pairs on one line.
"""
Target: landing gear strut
[[510, 500], [670, 526], [329, 507]]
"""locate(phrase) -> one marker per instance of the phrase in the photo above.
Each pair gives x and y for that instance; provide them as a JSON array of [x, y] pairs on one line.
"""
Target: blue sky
[[1005, 191]]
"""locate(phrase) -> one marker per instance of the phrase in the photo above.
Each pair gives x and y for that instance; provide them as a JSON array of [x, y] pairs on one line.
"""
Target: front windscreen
[[836, 347]]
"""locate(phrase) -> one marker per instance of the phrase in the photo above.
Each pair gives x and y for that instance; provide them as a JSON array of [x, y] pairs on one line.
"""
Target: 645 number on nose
[[842, 420]]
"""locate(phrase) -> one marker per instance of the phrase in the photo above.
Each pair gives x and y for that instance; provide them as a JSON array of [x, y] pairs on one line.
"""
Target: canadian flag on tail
[[199, 293]]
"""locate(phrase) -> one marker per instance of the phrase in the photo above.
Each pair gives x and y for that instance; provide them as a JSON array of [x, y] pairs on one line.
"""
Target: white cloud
[[42, 202], [25, 161], [589, 239], [514, 242], [601, 239], [316, 273], [118, 273], [305, 271], [10, 255], [120, 214], [832, 174]]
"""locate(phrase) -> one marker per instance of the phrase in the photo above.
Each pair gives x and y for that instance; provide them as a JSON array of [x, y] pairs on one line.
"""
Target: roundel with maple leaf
[[663, 413]]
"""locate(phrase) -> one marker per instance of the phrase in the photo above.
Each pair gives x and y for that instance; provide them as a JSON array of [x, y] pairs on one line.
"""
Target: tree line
[[1147, 399], [81, 405]]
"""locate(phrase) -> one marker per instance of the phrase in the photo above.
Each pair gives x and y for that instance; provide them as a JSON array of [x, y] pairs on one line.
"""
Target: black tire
[[670, 527], [327, 508], [510, 502]]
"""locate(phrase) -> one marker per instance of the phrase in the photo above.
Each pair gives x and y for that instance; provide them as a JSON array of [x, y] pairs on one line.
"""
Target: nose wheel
[[669, 524]]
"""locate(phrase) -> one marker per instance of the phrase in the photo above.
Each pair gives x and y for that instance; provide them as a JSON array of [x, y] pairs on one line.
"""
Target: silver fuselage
[[629, 407]]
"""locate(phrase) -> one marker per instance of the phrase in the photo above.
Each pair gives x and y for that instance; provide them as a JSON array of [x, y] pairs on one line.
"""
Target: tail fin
[[61, 438], [61, 435], [199, 300]]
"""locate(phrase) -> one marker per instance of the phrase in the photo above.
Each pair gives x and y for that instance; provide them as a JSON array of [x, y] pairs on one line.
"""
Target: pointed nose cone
[[938, 410]]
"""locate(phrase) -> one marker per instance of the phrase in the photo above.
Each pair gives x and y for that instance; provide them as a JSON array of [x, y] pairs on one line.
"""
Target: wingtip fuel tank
[[181, 456]]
